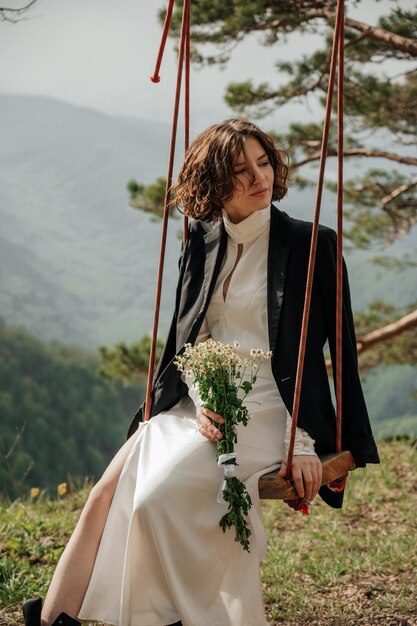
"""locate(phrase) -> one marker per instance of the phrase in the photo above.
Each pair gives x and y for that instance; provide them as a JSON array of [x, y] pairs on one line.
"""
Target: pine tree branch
[[379, 34], [397, 192], [17, 10], [404, 44], [361, 152], [386, 332], [310, 12], [355, 41], [4, 17], [383, 334]]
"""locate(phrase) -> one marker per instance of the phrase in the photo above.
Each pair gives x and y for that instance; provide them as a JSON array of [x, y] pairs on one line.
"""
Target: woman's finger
[[308, 483], [211, 433], [283, 470], [297, 476], [318, 476], [310, 470], [315, 481], [214, 416], [206, 427]]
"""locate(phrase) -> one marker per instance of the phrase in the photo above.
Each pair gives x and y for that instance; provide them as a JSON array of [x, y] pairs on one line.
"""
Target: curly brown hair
[[207, 180]]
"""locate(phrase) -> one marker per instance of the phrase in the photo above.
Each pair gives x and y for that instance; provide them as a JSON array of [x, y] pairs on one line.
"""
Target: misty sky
[[100, 54]]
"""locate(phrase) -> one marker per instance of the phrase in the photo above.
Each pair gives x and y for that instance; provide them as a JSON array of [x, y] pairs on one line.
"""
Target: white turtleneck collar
[[250, 228]]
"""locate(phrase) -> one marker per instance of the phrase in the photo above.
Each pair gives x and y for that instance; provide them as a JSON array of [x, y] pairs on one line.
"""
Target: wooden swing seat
[[272, 486]]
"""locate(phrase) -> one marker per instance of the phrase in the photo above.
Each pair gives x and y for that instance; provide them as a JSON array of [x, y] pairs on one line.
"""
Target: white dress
[[163, 556]]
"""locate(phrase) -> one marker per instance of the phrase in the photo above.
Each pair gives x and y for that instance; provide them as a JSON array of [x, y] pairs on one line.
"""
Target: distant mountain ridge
[[78, 263]]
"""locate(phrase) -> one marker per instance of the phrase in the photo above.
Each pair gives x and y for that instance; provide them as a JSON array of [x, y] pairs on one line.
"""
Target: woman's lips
[[259, 193]]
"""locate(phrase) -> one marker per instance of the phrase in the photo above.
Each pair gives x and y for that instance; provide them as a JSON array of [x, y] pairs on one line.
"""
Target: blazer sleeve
[[356, 429], [169, 349]]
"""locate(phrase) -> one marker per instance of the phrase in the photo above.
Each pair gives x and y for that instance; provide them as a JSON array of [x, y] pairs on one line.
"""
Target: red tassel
[[155, 76], [337, 485], [300, 505]]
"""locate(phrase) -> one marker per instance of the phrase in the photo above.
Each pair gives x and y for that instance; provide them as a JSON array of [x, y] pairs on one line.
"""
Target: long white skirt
[[162, 556]]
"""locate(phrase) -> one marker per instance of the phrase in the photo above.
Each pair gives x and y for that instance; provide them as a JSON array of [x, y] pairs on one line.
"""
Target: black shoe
[[32, 610]]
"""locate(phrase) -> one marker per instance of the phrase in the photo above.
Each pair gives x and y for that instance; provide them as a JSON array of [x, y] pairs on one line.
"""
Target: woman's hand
[[306, 473], [206, 427]]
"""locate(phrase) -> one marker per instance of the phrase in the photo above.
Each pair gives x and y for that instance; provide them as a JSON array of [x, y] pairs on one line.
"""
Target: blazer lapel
[[277, 268], [215, 247], [215, 244]]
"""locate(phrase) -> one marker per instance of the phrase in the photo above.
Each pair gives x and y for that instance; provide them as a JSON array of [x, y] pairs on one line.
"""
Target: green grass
[[351, 567]]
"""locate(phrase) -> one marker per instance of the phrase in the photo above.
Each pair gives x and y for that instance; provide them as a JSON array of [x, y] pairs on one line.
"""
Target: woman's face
[[254, 182]]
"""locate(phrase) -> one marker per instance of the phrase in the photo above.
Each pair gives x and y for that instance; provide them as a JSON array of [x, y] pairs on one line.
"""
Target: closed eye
[[263, 164]]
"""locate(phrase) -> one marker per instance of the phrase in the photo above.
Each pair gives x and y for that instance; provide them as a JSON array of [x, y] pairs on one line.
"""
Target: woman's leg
[[73, 572]]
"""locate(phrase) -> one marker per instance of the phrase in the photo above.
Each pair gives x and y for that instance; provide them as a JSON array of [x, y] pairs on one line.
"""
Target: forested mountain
[[71, 421]]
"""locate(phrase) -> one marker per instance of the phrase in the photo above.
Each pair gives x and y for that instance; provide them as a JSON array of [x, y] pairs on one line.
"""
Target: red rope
[[155, 78], [337, 54], [310, 273], [339, 263], [184, 35], [187, 9]]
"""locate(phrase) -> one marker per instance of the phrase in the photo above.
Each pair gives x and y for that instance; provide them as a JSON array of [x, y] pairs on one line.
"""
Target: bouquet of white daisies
[[220, 375]]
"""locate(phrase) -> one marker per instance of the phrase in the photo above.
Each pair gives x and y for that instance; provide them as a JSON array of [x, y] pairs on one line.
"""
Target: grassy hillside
[[335, 568]]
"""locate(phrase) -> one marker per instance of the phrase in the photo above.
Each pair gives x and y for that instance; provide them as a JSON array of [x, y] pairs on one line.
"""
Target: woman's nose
[[258, 174]]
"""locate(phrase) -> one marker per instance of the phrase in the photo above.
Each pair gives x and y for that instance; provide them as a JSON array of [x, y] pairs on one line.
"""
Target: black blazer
[[288, 253]]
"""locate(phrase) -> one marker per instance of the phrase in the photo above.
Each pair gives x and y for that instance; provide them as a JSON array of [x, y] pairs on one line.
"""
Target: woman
[[147, 549]]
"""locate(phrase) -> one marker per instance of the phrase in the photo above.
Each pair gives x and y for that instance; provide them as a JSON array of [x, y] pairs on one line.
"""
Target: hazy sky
[[100, 54]]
